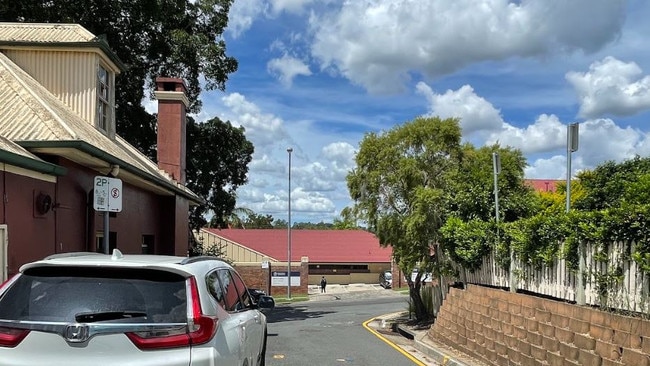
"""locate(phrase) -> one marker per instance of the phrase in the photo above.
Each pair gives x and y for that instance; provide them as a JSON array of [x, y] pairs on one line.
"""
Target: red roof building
[[322, 246], [345, 256], [543, 185]]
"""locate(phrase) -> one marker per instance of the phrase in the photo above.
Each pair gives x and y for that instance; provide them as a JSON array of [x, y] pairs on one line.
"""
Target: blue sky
[[317, 75]]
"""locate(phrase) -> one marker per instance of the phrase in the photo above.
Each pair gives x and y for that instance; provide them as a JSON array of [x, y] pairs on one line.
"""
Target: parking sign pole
[[106, 232]]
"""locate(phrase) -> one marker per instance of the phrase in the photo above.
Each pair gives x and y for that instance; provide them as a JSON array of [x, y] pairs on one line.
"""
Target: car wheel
[[261, 359]]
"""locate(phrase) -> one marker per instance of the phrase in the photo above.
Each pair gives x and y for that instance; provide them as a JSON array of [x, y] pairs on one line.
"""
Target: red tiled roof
[[543, 185], [321, 246]]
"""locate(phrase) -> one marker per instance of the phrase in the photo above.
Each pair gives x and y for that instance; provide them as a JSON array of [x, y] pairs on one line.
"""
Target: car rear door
[[255, 326]]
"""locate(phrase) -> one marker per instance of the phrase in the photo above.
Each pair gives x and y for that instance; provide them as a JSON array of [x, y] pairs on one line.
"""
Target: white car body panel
[[40, 348]]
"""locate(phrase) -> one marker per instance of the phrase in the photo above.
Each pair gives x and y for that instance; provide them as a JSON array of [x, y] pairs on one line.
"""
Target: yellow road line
[[396, 347]]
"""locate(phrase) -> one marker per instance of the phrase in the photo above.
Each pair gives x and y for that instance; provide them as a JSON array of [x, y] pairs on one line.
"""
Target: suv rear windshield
[[81, 294]]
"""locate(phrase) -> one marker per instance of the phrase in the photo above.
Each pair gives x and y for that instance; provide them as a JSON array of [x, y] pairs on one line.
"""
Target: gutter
[[101, 154], [31, 163]]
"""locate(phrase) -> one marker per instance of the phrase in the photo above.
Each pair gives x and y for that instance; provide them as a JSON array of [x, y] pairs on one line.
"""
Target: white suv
[[96, 309]]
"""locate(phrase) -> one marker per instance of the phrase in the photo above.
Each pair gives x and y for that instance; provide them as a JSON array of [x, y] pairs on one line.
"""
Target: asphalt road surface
[[332, 333]]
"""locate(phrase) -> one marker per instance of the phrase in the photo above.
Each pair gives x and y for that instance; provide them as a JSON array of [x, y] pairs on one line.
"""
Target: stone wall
[[503, 328]]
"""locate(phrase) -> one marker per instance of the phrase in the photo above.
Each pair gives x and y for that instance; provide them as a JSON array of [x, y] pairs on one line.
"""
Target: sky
[[315, 76]]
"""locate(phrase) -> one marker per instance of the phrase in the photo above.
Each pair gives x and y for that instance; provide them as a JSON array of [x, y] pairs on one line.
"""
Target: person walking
[[323, 283]]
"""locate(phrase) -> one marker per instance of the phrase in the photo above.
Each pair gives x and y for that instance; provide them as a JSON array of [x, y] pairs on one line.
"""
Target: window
[[214, 286], [147, 244], [241, 289], [99, 241], [103, 99], [72, 294]]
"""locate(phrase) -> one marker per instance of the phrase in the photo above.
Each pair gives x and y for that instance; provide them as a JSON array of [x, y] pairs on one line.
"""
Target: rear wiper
[[107, 315]]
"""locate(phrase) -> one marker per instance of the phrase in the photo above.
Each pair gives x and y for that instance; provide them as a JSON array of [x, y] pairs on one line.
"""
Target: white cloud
[[378, 44], [242, 15], [287, 68], [549, 168], [546, 134], [341, 156], [289, 6], [611, 87], [475, 112], [262, 129], [602, 140]]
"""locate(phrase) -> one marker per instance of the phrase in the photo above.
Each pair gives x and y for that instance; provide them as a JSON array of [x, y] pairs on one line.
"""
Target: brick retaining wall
[[502, 328]]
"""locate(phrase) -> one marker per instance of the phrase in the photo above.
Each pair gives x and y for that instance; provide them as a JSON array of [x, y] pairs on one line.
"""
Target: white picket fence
[[628, 292]]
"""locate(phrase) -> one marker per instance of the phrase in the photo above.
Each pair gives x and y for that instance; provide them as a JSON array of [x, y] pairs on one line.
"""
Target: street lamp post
[[289, 150]]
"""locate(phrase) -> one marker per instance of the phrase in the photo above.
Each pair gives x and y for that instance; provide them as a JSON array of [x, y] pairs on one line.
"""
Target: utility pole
[[572, 146], [289, 150]]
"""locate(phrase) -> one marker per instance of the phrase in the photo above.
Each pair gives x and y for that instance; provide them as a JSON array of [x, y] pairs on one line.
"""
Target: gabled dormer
[[72, 63]]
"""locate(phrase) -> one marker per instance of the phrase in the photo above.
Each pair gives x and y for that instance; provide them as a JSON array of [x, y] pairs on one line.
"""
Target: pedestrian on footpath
[[323, 283]]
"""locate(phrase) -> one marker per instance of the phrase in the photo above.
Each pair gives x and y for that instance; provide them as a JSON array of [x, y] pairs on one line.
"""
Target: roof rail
[[200, 258], [70, 255]]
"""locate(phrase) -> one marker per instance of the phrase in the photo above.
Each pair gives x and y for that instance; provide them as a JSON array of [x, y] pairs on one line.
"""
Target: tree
[[399, 189], [236, 219], [257, 221], [472, 186], [280, 224], [216, 168], [611, 184], [347, 220]]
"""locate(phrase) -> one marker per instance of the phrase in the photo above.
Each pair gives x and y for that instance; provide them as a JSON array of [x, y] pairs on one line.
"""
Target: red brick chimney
[[172, 103]]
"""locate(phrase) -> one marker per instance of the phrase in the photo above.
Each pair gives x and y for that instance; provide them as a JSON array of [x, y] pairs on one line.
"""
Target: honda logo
[[76, 333]]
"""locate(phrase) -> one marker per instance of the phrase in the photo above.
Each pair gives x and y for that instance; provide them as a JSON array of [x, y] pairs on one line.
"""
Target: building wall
[[257, 277], [231, 251], [74, 81], [503, 328], [30, 234], [72, 224]]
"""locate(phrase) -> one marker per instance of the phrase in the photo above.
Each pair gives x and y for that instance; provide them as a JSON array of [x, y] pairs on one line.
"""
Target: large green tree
[[399, 187], [216, 167]]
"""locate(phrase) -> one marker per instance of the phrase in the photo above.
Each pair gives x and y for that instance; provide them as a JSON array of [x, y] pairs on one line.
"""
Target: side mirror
[[265, 303]]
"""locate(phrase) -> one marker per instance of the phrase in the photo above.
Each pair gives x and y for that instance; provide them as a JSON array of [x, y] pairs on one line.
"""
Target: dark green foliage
[[614, 184], [471, 193], [216, 168], [467, 242]]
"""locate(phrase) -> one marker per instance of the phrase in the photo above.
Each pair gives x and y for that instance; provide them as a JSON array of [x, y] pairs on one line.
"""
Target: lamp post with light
[[289, 150]]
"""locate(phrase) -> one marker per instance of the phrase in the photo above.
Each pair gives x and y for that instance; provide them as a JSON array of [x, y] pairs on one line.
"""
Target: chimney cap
[[170, 84]]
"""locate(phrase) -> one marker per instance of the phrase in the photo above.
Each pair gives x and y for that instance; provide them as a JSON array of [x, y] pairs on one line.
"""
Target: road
[[331, 333]]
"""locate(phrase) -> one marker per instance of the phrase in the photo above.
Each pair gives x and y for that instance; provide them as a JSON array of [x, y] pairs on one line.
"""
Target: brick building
[[58, 132], [342, 256]]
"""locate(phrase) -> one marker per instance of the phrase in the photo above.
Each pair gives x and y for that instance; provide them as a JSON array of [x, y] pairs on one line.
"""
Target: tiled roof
[[44, 33], [321, 246], [29, 112], [543, 185]]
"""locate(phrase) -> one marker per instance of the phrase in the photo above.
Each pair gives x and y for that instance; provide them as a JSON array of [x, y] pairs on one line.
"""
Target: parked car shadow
[[293, 313]]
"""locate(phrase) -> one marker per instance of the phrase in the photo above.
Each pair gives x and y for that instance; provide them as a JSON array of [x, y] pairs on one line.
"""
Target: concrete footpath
[[393, 328]]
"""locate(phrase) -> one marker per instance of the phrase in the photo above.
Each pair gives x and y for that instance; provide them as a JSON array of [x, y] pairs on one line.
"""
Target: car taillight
[[11, 337], [200, 330]]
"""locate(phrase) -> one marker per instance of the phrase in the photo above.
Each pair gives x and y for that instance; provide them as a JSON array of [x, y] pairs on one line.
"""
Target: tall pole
[[289, 150], [571, 146], [496, 167]]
